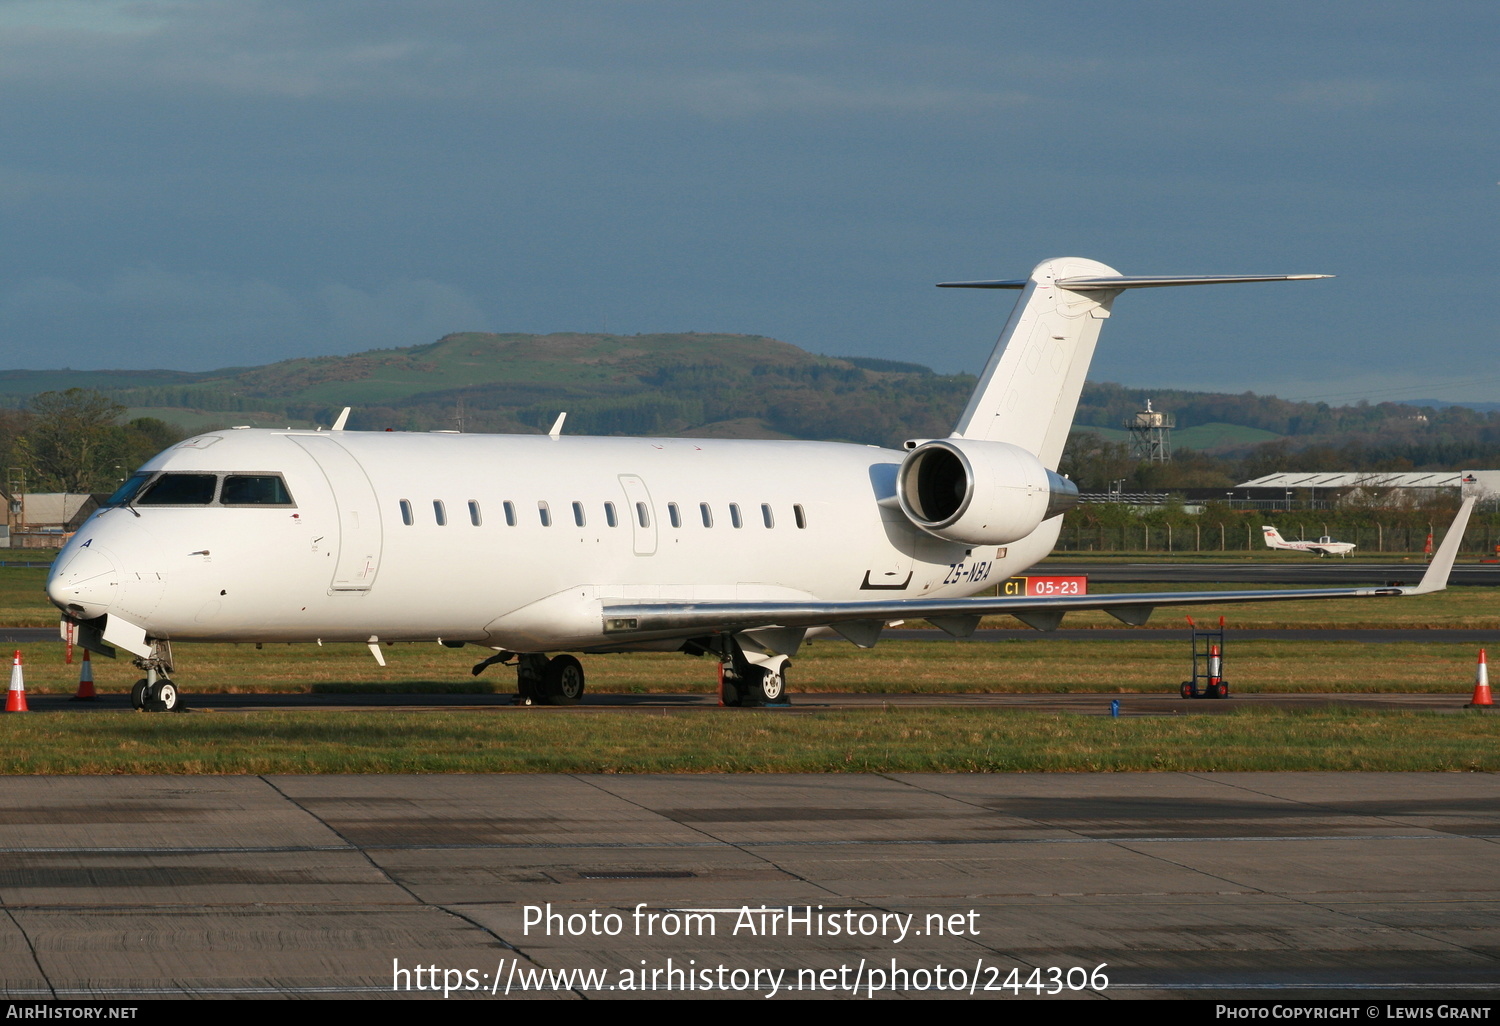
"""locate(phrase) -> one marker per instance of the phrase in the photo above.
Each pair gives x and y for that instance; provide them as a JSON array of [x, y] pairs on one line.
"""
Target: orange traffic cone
[[1481, 699], [15, 698], [85, 681]]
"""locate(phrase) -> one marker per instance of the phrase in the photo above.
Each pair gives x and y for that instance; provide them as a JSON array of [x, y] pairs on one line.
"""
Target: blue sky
[[201, 183]]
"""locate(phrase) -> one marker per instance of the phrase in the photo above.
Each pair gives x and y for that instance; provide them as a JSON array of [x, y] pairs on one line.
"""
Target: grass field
[[764, 741], [712, 740], [894, 667]]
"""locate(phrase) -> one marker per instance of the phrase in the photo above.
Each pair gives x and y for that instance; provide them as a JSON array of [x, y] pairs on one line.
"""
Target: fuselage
[[409, 536], [1324, 546]]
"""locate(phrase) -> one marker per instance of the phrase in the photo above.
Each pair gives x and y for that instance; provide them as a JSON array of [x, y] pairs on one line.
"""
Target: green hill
[[715, 385], [700, 384]]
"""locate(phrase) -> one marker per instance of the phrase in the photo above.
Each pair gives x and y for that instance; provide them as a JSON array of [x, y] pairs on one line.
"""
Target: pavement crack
[[352, 845], [31, 947]]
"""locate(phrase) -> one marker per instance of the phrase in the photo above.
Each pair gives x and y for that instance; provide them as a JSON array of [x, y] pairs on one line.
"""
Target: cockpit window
[[180, 490], [255, 490], [127, 491], [148, 489]]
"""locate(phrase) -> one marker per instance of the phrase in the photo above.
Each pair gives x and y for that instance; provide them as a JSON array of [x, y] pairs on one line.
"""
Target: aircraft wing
[[863, 619]]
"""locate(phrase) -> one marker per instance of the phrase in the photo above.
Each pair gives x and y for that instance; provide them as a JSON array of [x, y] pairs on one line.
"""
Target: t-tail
[[1029, 390], [1274, 539]]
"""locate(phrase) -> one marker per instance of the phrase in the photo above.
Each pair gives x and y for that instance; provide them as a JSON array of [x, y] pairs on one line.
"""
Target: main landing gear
[[560, 679], [744, 683], [540, 680], [155, 692]]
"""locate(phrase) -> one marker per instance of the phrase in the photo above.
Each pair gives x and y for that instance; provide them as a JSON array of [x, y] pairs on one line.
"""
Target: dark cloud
[[185, 182]]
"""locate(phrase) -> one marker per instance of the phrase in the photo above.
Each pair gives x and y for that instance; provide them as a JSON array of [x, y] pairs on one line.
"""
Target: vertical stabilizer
[[1030, 387], [1029, 390]]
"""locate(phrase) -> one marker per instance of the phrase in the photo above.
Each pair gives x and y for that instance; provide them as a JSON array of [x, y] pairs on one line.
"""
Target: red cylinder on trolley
[[1215, 666]]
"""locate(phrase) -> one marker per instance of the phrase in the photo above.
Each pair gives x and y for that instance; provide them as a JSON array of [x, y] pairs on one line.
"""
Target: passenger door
[[358, 513]]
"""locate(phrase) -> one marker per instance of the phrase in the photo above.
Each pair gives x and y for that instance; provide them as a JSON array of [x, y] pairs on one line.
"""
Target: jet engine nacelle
[[978, 492]]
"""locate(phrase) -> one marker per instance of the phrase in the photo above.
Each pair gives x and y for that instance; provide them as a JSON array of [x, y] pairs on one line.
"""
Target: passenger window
[[545, 512], [510, 513], [406, 517], [440, 512], [474, 517], [254, 490], [765, 514], [609, 515], [674, 514], [734, 515], [801, 516], [578, 514], [706, 513], [642, 515], [180, 490]]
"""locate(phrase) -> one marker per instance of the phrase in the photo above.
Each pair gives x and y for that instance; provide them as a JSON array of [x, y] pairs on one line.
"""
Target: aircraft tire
[[164, 697], [770, 687], [562, 681], [138, 695]]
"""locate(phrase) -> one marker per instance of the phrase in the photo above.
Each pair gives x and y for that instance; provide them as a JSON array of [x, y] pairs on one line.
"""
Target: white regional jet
[[532, 545], [1324, 546]]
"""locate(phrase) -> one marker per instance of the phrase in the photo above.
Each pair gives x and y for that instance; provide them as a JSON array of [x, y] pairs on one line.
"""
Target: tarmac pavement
[[1205, 885]]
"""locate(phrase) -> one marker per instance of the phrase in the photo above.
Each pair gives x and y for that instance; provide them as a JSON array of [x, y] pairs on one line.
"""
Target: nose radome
[[84, 585]]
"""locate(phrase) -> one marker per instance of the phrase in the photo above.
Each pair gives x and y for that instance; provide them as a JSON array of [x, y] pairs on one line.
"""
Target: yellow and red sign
[[1039, 586]]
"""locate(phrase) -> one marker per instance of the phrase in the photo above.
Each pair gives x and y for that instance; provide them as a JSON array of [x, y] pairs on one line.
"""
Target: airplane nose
[[84, 585]]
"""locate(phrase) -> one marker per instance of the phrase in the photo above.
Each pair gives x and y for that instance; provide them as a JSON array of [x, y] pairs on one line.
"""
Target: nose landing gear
[[156, 693]]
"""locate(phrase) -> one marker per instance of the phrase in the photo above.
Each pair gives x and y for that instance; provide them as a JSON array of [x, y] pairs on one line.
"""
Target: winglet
[[1436, 577], [338, 425], [557, 426]]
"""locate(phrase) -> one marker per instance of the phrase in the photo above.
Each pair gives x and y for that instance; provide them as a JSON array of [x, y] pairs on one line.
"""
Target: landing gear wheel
[[1187, 689], [770, 688], [164, 697], [138, 694], [562, 681]]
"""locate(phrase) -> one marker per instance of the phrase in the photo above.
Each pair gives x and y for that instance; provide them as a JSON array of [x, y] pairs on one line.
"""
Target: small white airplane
[[1324, 546], [534, 545]]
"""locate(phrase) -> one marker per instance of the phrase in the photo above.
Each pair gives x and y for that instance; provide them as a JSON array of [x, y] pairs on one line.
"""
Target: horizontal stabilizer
[[1132, 281]]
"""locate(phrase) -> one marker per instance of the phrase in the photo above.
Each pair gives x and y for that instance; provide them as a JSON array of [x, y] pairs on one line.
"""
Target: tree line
[[73, 441]]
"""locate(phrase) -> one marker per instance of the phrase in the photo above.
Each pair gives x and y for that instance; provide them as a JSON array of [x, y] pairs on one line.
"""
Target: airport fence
[[1105, 529]]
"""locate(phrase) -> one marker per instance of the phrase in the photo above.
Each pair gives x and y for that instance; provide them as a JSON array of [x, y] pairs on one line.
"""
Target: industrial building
[[1330, 490]]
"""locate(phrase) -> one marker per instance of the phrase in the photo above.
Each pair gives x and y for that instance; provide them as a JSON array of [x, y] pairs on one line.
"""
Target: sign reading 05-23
[[1049, 587]]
